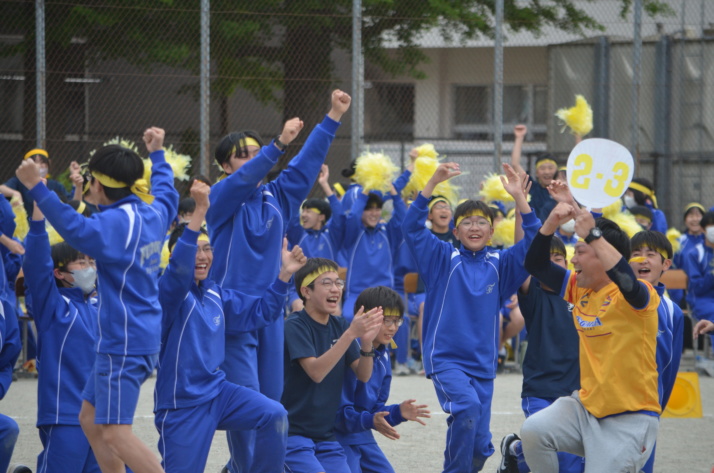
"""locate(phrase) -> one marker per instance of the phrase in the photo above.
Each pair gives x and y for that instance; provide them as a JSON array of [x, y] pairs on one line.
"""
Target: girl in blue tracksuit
[[464, 291], [363, 405], [370, 245], [193, 398], [125, 239], [60, 281], [247, 223]]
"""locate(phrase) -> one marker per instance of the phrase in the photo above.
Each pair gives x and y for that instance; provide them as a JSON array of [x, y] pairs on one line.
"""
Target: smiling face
[[322, 296], [371, 217], [545, 173], [440, 217], [204, 259], [590, 273], [387, 331], [652, 267], [692, 221], [311, 220], [474, 233]]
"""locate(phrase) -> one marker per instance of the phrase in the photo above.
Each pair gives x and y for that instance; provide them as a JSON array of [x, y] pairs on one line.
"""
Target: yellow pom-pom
[[21, 225], [492, 189], [424, 168], [426, 150], [673, 235], [52, 234], [165, 254], [375, 172], [578, 118], [569, 253], [180, 163], [504, 233], [627, 223], [118, 140]]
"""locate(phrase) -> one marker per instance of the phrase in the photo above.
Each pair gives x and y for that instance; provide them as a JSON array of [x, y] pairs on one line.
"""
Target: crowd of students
[[303, 393]]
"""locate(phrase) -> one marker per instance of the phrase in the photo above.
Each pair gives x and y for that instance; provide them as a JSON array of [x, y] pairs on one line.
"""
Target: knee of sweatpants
[[9, 429], [275, 416], [467, 413], [532, 431]]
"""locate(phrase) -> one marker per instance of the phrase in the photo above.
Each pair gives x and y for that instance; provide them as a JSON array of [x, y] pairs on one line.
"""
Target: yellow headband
[[433, 202], [247, 141], [317, 211], [645, 190], [35, 152], [558, 252], [339, 190], [641, 259], [310, 278], [391, 312], [140, 187], [81, 207], [203, 237], [473, 213], [546, 161], [694, 205]]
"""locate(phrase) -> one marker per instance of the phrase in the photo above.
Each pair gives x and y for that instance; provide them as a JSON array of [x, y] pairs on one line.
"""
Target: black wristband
[[281, 146], [371, 353]]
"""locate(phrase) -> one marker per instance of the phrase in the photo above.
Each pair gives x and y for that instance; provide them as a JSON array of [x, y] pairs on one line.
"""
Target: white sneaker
[[400, 369]]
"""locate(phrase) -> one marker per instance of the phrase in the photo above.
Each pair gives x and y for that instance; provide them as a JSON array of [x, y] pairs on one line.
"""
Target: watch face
[[596, 232]]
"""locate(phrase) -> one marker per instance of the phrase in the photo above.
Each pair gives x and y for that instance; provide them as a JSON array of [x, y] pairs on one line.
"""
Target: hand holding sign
[[599, 172]]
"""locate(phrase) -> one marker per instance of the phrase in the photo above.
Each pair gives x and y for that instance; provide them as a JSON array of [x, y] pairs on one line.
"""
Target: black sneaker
[[509, 462], [19, 469]]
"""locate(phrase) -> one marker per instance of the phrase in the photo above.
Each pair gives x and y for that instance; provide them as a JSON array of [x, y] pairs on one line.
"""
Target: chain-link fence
[[113, 67]]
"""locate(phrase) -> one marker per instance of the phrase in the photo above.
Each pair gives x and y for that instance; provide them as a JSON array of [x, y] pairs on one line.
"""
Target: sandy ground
[[684, 445]]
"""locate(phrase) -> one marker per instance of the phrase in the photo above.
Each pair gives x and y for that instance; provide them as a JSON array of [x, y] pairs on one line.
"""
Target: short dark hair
[[557, 246], [641, 211], [350, 170], [652, 240], [379, 296], [320, 205], [62, 254], [707, 219], [311, 265], [119, 163], [178, 231], [615, 236], [545, 156], [186, 205], [641, 197], [235, 142], [374, 199], [468, 206]]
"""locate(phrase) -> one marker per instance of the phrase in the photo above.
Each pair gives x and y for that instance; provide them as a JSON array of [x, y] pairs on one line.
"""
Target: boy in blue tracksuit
[[700, 294], [651, 256], [318, 229], [364, 404], [125, 239], [464, 291], [247, 223], [60, 281], [10, 347], [371, 245], [193, 398]]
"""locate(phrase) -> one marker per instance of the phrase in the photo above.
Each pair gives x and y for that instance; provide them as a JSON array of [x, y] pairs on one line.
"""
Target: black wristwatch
[[281, 146], [371, 353], [594, 234]]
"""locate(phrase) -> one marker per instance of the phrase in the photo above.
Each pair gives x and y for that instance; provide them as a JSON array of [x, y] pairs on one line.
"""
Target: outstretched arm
[[520, 132]]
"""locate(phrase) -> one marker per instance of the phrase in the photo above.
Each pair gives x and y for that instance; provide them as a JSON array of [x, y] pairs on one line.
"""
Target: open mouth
[[644, 271], [333, 300]]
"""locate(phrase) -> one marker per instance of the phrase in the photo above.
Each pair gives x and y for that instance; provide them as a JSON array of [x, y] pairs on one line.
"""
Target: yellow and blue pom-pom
[[673, 235], [375, 172], [578, 118], [424, 168], [492, 189]]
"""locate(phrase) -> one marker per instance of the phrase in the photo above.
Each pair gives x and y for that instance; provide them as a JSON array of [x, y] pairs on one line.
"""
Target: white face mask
[[629, 201], [709, 232], [43, 172], [568, 227], [85, 279]]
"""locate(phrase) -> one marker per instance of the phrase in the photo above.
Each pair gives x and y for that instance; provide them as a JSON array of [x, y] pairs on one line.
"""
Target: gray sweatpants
[[614, 444]]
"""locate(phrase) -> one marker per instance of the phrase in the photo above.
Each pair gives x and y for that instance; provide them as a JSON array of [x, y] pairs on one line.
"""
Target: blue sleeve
[[12, 262], [13, 183], [394, 226], [175, 283], [353, 221], [596, 215], [7, 217], [336, 225], [402, 181], [431, 255], [513, 273], [394, 416], [97, 236], [677, 346], [162, 187], [39, 277], [349, 419], [255, 312], [229, 194], [10, 346], [659, 221], [295, 231], [294, 183]]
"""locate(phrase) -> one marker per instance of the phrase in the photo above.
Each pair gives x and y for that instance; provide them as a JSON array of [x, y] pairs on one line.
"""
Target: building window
[[473, 110]]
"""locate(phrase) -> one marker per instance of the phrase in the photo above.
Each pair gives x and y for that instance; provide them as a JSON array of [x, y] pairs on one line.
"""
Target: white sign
[[599, 172]]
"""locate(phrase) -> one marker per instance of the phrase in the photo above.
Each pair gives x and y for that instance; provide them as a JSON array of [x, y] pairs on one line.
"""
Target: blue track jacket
[[125, 239], [193, 327], [322, 243], [464, 293], [66, 334]]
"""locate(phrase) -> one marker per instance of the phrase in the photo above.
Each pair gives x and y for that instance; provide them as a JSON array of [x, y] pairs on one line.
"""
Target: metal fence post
[[40, 77], [357, 80], [205, 100], [498, 89], [662, 123], [636, 79]]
